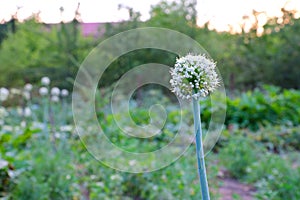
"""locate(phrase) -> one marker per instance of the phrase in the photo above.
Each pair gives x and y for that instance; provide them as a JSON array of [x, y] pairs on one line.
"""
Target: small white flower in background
[[19, 110], [28, 87], [23, 124], [3, 112], [55, 91], [38, 125], [43, 91], [64, 92], [155, 187], [132, 162], [15, 91], [3, 163], [93, 177], [116, 177], [27, 112], [55, 99], [57, 135], [7, 128], [45, 80], [26, 95], [66, 128], [3, 94], [194, 76], [100, 184]]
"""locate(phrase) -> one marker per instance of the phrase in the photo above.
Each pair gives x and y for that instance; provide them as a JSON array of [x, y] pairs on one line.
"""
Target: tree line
[[30, 50]]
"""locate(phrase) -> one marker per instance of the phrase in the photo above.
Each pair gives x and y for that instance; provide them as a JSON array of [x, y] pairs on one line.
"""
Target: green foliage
[[274, 57], [50, 174], [57, 165], [275, 178], [12, 157], [260, 108], [55, 51], [177, 181], [6, 28], [278, 138], [267, 120], [272, 174], [5, 179], [269, 106], [238, 154], [266, 166], [29, 47], [180, 16], [141, 117], [245, 60], [133, 59]]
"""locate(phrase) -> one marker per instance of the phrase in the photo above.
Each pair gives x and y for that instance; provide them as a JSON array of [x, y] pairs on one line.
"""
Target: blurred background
[[257, 48], [253, 42]]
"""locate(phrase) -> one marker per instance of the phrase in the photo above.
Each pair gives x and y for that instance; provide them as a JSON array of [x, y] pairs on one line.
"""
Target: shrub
[[263, 107], [275, 178], [50, 175], [238, 154], [276, 139]]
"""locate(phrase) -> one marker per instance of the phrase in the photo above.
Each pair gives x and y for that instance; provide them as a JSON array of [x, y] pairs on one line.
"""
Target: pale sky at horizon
[[219, 12]]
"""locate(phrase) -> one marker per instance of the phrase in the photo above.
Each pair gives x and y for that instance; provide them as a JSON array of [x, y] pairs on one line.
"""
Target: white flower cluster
[[194, 76], [55, 91], [27, 91], [45, 81], [3, 94]]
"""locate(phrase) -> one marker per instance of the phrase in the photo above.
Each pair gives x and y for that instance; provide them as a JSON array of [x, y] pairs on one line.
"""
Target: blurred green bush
[[269, 105]]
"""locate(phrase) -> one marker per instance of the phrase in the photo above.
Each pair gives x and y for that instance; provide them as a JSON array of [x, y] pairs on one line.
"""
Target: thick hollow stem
[[200, 152]]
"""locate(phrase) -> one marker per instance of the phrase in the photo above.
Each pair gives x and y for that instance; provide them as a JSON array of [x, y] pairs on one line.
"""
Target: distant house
[[92, 29], [95, 29]]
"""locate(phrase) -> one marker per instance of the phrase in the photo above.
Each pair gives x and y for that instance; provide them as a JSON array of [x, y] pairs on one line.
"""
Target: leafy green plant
[[238, 154], [50, 175], [272, 174], [5, 179], [275, 178], [276, 139], [65, 170], [263, 107], [279, 138], [268, 165]]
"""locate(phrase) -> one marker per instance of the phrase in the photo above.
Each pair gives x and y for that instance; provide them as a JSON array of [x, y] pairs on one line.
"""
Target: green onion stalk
[[193, 77], [200, 152]]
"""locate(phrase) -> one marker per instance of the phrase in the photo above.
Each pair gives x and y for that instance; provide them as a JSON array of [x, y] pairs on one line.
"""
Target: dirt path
[[231, 189]]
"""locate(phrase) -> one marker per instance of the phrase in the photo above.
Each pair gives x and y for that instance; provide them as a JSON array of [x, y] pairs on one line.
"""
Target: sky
[[220, 13]]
